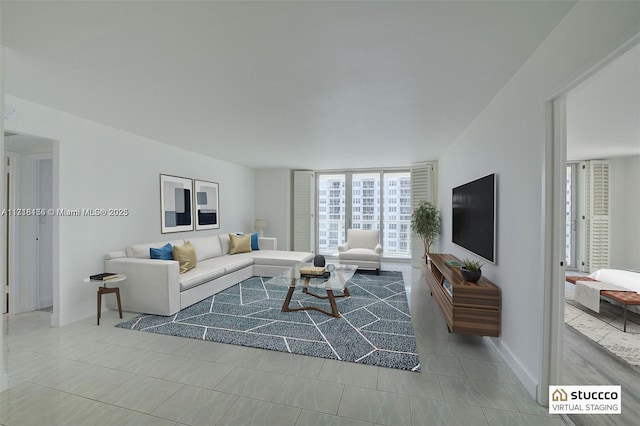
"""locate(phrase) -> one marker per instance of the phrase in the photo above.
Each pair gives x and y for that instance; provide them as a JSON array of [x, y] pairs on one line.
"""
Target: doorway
[[566, 251], [29, 182]]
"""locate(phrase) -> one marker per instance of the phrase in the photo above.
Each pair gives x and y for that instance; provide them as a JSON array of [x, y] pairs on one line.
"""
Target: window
[[364, 200], [397, 244]]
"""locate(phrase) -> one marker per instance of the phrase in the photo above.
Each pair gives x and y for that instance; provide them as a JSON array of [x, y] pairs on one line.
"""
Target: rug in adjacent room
[[374, 328]]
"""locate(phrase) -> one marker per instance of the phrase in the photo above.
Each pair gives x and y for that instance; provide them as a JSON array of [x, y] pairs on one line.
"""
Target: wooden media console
[[468, 308]]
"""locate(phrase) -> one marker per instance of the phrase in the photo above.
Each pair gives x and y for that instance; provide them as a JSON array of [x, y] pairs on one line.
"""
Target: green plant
[[425, 221], [472, 265]]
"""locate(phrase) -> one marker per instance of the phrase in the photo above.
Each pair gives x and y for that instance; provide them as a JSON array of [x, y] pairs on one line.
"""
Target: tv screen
[[474, 217]]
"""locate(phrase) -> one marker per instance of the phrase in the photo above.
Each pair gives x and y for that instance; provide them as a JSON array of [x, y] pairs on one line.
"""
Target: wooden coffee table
[[337, 280]]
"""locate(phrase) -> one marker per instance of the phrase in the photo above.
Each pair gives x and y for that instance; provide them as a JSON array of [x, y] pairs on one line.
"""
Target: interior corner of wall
[[528, 379]]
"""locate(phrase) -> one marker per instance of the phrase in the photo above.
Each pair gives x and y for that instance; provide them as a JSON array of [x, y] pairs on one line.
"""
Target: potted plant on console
[[471, 270], [425, 221]]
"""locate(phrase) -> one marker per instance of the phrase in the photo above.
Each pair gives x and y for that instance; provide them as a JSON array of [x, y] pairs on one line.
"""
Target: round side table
[[103, 289]]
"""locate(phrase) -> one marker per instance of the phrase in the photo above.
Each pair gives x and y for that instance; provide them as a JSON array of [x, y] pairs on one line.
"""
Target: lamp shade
[[261, 223]]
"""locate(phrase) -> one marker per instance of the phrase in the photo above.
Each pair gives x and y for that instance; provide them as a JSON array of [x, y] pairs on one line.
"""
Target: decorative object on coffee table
[[319, 261], [471, 270]]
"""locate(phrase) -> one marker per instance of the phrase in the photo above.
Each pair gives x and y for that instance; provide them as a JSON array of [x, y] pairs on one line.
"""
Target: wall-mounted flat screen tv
[[474, 217]]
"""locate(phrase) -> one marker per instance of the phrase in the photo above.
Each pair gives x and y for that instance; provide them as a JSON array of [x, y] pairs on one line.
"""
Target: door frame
[[553, 214], [36, 159], [11, 200]]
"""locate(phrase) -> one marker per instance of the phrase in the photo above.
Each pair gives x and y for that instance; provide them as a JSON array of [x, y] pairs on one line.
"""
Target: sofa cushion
[[240, 243], [254, 242], [279, 257], [163, 253], [186, 256], [141, 251], [225, 243], [207, 270], [360, 254], [363, 238], [206, 247], [236, 262]]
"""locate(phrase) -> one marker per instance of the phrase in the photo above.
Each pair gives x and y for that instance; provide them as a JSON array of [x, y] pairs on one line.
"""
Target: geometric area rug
[[374, 326]]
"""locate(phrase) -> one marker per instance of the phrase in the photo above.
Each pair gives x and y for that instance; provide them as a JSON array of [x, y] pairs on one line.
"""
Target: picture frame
[[206, 202], [176, 212]]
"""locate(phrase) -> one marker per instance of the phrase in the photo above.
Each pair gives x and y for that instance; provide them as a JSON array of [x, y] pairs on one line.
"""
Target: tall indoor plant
[[425, 221]]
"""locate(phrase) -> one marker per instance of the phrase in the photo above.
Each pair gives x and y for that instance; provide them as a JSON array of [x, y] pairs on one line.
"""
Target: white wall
[[508, 138], [98, 166], [624, 231], [273, 203]]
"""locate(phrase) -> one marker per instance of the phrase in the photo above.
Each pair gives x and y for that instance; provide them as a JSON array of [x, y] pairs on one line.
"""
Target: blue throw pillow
[[163, 253], [254, 242]]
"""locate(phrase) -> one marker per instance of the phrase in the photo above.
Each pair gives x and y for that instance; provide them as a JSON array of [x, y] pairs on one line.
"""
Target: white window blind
[[303, 210], [598, 214], [423, 187]]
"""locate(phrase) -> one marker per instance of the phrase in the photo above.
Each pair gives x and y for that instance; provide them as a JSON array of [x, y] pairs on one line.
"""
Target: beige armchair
[[362, 249]]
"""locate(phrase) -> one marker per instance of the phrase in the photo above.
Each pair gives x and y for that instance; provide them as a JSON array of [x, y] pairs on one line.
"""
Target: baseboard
[[55, 319], [528, 380]]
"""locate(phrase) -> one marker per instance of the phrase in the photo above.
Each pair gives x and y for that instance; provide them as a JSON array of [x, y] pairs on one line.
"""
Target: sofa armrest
[[152, 286], [378, 248], [343, 247]]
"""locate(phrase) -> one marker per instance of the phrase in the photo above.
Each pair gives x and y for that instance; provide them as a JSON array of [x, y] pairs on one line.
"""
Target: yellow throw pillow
[[240, 243], [186, 256]]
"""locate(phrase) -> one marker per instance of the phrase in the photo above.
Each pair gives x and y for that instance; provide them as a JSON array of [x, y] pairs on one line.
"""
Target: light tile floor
[[82, 374]]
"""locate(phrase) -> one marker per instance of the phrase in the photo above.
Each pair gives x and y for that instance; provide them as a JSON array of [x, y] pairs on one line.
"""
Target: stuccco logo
[[585, 399]]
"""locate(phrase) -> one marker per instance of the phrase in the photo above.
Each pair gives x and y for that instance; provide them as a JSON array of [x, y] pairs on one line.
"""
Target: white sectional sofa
[[156, 286]]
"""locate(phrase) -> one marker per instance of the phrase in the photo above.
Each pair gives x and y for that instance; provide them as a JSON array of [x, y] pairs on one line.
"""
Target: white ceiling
[[603, 114], [276, 84]]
